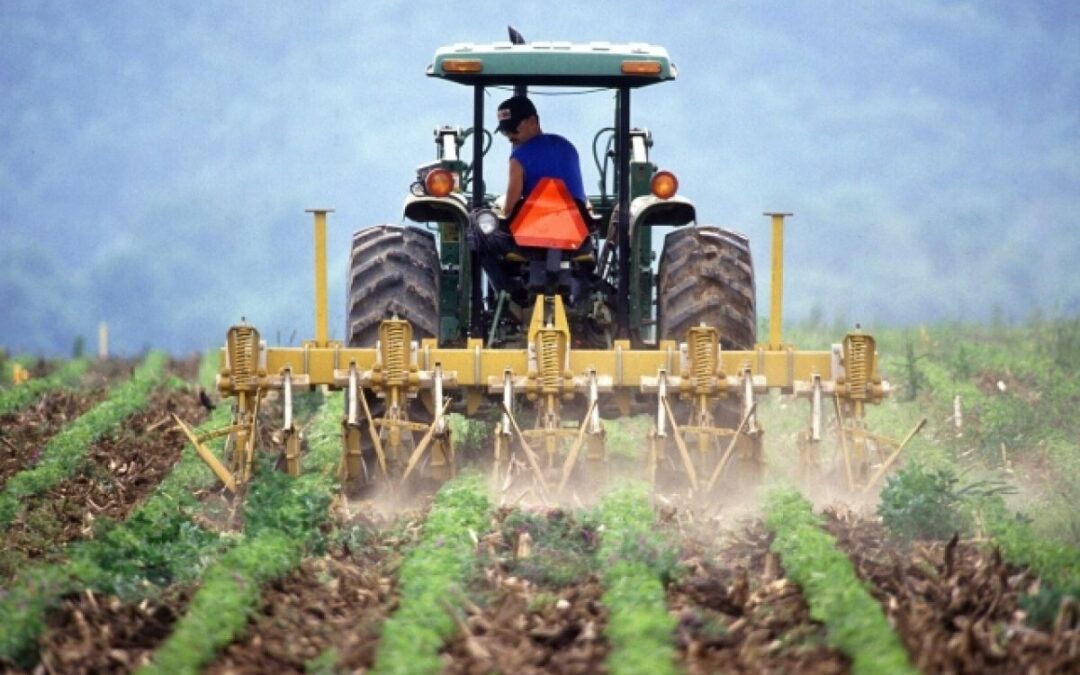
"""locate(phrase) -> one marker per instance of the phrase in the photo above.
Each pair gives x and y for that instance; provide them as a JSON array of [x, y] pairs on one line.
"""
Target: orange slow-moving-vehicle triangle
[[549, 218]]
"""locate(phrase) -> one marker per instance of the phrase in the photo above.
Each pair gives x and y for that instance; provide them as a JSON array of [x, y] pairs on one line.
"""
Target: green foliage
[[630, 533], [916, 380], [208, 368], [1060, 343], [158, 544], [563, 551], [920, 504], [854, 621], [1043, 607], [23, 394], [283, 517], [636, 563], [1057, 564], [470, 436], [431, 579], [220, 610], [627, 437], [23, 606], [65, 454], [323, 664]]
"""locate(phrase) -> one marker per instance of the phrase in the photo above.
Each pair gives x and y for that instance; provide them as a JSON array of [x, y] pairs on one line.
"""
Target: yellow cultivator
[[561, 385]]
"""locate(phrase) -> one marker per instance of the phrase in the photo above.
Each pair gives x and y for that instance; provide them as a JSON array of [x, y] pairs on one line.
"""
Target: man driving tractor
[[536, 156]]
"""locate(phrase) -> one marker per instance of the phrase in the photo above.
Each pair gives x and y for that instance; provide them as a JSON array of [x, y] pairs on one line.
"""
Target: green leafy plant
[[563, 546], [917, 503], [637, 562], [432, 579], [1057, 564], [158, 544], [854, 621]]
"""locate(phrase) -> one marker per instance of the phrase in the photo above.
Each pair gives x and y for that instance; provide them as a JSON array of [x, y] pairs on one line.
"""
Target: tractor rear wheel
[[393, 270], [707, 275]]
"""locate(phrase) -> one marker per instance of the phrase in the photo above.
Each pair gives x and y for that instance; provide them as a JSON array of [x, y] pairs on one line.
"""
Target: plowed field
[[533, 600]]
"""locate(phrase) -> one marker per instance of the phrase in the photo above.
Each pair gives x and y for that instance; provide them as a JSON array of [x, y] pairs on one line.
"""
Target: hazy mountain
[[156, 158]]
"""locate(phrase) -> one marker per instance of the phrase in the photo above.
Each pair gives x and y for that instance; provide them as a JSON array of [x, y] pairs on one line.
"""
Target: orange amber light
[[641, 67], [664, 184], [462, 66], [439, 183]]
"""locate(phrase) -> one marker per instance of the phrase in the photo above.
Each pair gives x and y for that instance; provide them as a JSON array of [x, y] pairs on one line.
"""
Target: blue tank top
[[550, 156]]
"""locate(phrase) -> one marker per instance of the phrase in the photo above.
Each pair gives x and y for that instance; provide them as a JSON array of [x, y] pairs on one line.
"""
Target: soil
[[518, 625], [738, 614], [955, 604], [336, 602], [98, 634], [25, 432], [123, 468]]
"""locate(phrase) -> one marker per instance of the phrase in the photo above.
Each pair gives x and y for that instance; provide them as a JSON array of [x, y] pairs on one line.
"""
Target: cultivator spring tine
[[688, 463], [418, 451], [357, 398], [538, 472], [892, 458], [503, 431], [661, 413], [844, 446], [223, 474], [815, 410], [571, 457], [744, 424], [749, 404], [289, 431]]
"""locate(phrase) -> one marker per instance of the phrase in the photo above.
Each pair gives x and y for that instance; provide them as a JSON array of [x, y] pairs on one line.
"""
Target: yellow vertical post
[[103, 341], [776, 308], [322, 323]]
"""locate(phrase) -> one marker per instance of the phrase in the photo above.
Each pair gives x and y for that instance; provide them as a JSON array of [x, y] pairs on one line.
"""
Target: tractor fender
[[428, 209], [649, 210]]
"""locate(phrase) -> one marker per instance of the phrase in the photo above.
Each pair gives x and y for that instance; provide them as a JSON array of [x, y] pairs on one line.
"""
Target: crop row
[[432, 578], [636, 563], [21, 395], [283, 519], [65, 453], [157, 545], [854, 620]]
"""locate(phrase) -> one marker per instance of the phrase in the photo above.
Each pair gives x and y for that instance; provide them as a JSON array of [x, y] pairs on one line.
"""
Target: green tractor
[[428, 271], [592, 329]]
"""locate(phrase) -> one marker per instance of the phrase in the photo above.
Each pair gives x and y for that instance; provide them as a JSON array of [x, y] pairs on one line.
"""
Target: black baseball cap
[[513, 110]]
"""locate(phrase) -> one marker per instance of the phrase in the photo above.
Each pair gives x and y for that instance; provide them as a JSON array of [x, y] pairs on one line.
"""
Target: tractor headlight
[[486, 220]]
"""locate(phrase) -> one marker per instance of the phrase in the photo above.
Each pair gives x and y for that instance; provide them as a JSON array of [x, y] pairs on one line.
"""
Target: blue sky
[[156, 158]]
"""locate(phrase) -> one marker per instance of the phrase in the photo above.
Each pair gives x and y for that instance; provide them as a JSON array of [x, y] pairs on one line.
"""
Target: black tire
[[393, 270], [707, 275]]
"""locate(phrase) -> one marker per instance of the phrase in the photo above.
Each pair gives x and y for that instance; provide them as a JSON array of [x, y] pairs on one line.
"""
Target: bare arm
[[514, 186]]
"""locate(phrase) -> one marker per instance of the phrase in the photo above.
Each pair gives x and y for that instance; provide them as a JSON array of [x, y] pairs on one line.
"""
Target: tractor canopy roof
[[593, 64]]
